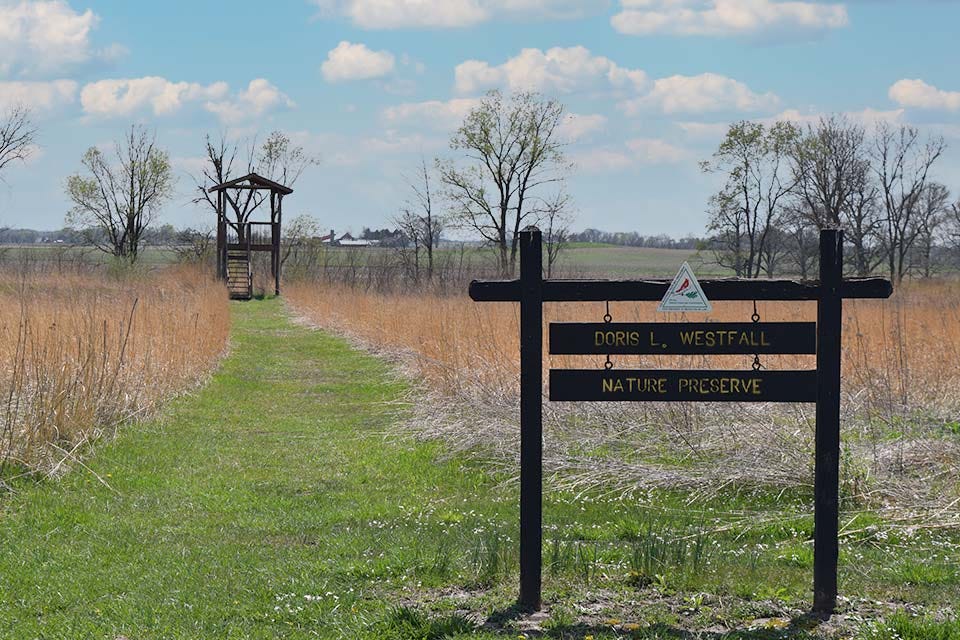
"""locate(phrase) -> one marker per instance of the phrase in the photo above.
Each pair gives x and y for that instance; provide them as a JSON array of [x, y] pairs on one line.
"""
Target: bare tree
[[420, 225], [511, 152], [282, 161], [17, 136], [556, 220], [802, 243], [835, 186], [932, 213], [729, 228], [193, 245], [953, 229], [829, 162], [218, 168], [862, 222], [775, 249], [409, 247], [754, 159], [902, 164], [115, 202], [299, 236], [277, 159]]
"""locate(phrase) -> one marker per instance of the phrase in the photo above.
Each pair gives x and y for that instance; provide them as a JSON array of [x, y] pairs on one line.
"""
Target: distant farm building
[[347, 240]]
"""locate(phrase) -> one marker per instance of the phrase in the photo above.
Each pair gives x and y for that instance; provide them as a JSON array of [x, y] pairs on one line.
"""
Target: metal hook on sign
[[607, 319], [756, 357]]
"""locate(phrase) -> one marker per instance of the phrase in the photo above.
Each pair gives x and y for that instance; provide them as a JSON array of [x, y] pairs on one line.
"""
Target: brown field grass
[[901, 390], [85, 351], [904, 352]]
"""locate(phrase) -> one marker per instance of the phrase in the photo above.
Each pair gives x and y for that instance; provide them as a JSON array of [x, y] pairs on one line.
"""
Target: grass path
[[245, 511]]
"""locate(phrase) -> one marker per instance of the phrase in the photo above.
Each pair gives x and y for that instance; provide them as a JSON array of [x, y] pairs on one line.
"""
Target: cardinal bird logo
[[683, 287]]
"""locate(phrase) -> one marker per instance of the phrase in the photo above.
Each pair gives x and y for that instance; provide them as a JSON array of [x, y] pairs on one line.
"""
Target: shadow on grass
[[800, 627]]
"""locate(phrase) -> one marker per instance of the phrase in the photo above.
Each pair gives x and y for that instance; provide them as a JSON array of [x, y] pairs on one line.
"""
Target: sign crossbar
[[556, 290]]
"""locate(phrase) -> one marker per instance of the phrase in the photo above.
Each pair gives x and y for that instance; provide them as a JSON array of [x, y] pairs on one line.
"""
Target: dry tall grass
[[899, 351], [84, 352], [901, 377]]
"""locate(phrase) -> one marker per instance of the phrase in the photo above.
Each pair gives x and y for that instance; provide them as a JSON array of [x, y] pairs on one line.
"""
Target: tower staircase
[[239, 274]]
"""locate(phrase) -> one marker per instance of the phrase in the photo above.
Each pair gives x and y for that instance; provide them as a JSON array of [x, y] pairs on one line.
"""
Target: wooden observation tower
[[239, 237]]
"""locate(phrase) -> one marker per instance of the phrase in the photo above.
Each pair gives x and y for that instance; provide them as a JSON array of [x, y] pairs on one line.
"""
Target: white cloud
[[575, 126], [126, 96], [350, 61], [260, 97], [635, 152], [441, 14], [433, 113], [545, 9], [713, 131], [557, 69], [704, 130], [918, 94], [339, 150], [193, 165], [600, 160], [726, 17], [653, 151], [866, 117], [392, 14], [32, 154], [40, 96], [45, 37], [374, 148], [699, 94]]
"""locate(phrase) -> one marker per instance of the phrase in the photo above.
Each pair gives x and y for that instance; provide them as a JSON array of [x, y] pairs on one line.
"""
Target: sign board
[[645, 385], [684, 293], [683, 338]]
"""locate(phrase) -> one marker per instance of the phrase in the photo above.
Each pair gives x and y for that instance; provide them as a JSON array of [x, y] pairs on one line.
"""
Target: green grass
[[276, 503], [579, 259], [585, 260]]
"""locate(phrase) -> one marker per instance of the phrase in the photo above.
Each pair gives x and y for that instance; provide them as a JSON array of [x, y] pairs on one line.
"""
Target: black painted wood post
[[275, 245], [531, 407], [221, 237], [827, 465]]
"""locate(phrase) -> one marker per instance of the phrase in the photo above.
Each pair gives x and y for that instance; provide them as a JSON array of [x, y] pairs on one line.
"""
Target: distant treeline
[[31, 236], [163, 235], [634, 239], [168, 234]]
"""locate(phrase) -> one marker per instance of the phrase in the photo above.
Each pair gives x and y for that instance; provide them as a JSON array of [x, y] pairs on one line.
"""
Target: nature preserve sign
[[691, 338], [691, 386], [820, 385]]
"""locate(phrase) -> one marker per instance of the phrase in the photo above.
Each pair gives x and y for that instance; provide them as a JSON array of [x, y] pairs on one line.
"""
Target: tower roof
[[253, 181]]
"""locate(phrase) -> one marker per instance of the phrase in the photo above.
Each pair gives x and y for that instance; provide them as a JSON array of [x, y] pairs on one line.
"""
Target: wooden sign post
[[821, 385]]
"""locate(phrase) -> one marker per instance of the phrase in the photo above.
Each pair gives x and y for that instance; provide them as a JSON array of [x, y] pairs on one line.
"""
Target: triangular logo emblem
[[684, 293]]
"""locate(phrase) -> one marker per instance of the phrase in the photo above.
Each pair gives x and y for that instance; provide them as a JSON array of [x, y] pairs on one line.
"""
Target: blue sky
[[370, 86]]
